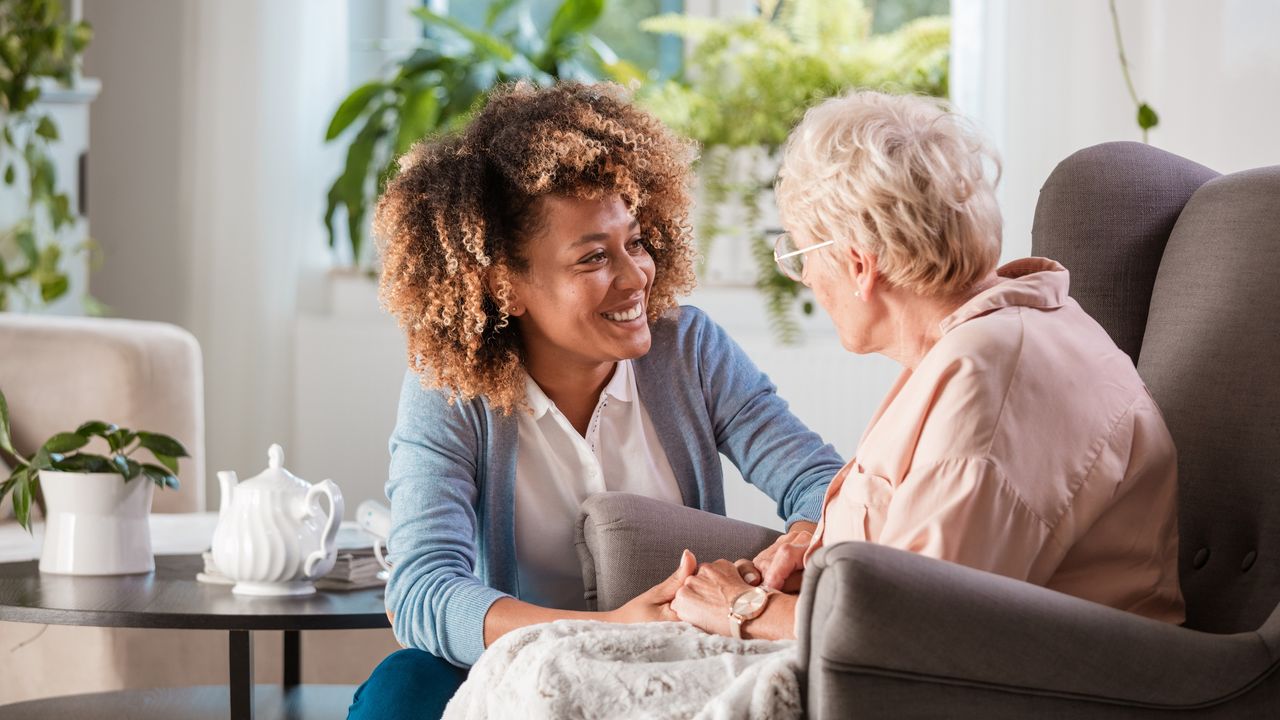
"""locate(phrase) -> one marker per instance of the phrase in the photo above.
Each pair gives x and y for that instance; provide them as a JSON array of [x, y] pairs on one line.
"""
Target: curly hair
[[451, 225]]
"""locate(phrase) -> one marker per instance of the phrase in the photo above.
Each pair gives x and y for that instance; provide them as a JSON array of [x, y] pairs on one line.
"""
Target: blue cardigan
[[452, 475]]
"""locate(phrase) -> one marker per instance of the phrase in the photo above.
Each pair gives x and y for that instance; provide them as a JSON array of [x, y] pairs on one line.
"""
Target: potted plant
[[39, 46], [747, 82], [97, 505], [436, 87]]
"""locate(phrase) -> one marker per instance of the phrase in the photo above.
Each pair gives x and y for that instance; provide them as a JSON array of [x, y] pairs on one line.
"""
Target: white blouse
[[556, 469]]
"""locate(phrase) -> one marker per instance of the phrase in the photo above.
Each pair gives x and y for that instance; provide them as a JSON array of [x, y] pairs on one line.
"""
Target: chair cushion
[[142, 375]]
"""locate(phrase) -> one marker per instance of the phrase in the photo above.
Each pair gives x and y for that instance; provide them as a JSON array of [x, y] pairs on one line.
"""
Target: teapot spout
[[227, 480]]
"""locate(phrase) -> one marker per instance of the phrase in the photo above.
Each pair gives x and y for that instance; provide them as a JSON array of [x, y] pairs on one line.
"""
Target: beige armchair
[[58, 372]]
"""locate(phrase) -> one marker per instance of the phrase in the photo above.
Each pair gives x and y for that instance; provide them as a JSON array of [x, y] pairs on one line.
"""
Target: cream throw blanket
[[584, 669]]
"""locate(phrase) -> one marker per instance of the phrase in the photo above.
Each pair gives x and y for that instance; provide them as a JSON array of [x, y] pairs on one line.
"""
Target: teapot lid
[[275, 467]]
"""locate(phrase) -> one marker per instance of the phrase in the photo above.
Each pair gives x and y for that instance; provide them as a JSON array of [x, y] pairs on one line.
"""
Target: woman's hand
[[780, 566], [705, 597], [654, 604]]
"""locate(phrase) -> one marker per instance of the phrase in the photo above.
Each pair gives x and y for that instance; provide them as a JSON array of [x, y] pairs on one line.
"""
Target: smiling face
[[582, 299]]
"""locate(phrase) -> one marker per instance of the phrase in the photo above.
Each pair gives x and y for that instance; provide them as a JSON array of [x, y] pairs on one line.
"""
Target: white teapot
[[273, 537]]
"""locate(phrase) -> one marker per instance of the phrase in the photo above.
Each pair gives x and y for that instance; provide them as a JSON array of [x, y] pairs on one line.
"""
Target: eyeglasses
[[790, 258]]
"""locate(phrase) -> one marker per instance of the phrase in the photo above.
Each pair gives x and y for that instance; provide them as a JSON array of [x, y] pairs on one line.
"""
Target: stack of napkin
[[354, 569]]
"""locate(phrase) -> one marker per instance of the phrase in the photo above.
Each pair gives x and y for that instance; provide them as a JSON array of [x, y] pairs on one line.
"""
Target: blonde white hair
[[901, 177]]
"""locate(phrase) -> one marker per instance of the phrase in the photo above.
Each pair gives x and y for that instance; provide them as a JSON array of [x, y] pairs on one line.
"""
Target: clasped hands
[[701, 594]]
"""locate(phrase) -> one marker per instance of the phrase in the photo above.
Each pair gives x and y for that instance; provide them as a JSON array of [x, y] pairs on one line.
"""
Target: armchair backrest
[[58, 372], [1182, 267], [1106, 213]]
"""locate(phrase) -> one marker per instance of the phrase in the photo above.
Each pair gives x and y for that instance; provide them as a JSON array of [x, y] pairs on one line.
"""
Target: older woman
[[534, 260], [1018, 439]]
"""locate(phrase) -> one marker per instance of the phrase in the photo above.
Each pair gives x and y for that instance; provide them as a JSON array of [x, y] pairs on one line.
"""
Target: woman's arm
[[756, 430], [437, 602], [653, 605]]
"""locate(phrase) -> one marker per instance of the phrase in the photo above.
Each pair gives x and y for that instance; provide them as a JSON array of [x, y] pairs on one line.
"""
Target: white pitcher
[[273, 536]]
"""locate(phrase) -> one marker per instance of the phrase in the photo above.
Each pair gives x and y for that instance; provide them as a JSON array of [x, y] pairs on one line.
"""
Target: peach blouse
[[1024, 444]]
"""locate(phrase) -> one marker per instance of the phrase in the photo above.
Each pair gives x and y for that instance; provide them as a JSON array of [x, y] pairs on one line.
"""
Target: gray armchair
[[1180, 265]]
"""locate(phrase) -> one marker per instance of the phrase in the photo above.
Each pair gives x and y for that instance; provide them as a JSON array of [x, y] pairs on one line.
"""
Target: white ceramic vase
[[97, 524]]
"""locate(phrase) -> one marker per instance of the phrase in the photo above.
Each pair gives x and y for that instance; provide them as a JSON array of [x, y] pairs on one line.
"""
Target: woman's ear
[[862, 271], [870, 280]]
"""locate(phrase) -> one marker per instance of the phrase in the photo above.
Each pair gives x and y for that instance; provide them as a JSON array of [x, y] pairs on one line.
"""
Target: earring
[[857, 293]]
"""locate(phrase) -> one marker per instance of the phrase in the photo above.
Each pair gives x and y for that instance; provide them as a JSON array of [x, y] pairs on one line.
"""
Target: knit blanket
[[583, 669]]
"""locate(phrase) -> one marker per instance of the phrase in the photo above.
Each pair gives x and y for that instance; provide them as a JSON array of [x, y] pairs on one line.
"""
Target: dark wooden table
[[171, 597]]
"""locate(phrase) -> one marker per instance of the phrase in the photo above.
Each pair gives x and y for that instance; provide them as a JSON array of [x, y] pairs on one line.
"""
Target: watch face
[[750, 603]]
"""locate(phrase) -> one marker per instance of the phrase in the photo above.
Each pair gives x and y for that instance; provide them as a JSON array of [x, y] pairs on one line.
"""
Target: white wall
[[207, 184], [1043, 79], [135, 168]]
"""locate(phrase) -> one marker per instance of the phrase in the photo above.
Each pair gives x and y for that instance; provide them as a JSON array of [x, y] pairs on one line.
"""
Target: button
[[1202, 557], [1248, 560]]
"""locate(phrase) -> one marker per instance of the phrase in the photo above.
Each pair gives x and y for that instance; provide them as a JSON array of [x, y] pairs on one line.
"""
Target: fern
[[779, 291]]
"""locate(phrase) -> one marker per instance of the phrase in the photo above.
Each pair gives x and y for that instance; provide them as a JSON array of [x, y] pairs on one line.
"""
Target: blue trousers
[[407, 684]]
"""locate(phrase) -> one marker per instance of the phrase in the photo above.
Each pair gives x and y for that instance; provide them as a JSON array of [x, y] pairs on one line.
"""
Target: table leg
[[292, 659], [241, 680]]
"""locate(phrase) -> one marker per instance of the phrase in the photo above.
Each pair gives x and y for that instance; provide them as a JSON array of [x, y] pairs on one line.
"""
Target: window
[[618, 27]]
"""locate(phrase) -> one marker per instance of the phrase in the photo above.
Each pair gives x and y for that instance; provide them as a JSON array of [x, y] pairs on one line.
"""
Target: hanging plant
[[1147, 117], [748, 81], [37, 44]]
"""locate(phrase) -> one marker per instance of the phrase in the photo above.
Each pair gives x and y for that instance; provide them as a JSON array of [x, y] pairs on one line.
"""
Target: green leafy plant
[[439, 85], [65, 452], [748, 81], [37, 44]]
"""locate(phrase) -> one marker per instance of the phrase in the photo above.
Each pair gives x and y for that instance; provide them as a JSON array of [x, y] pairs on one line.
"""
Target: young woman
[[534, 261]]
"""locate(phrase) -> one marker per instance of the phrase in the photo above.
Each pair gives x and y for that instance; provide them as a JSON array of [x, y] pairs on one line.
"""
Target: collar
[[538, 401], [620, 387], [1030, 282]]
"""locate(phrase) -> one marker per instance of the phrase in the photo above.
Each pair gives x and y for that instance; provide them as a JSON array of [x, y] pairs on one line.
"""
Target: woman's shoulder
[[684, 329], [680, 340], [985, 349], [423, 403]]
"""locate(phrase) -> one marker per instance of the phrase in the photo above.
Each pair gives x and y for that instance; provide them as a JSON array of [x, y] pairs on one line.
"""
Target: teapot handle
[[329, 544]]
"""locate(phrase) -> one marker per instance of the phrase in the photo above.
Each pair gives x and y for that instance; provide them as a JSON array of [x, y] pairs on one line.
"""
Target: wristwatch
[[748, 606]]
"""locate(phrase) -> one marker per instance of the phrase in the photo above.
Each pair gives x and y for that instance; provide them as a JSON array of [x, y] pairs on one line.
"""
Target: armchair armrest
[[629, 543], [892, 634]]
